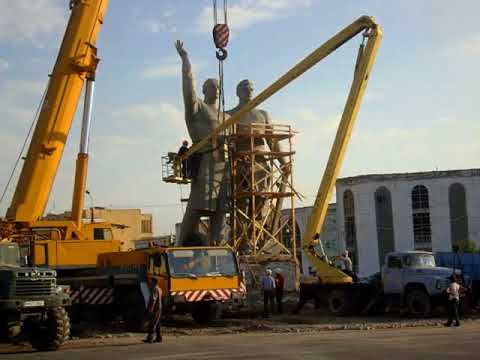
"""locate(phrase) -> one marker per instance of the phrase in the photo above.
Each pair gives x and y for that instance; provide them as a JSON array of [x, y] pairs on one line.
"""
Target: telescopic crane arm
[[76, 63]]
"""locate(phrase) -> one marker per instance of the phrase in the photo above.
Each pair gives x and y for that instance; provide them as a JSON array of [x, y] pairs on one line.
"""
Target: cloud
[[18, 100], [470, 47], [3, 65], [17, 89], [152, 114], [22, 20], [167, 67], [248, 12], [380, 149], [161, 24]]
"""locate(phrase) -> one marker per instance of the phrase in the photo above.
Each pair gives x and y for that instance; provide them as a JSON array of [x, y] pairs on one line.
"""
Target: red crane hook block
[[221, 33]]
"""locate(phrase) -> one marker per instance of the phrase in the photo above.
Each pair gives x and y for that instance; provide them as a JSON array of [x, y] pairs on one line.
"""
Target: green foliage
[[466, 247]]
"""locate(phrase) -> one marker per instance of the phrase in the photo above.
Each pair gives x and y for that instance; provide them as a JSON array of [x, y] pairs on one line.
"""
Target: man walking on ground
[[268, 286], [279, 284], [154, 312]]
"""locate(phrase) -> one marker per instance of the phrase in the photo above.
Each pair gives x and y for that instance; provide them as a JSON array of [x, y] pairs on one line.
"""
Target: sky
[[419, 112]]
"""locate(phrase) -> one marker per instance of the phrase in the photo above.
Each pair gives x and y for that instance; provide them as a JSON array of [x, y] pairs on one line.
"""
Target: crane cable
[[221, 34], [34, 121]]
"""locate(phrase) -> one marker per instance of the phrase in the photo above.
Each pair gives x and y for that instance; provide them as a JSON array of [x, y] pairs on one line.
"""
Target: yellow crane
[[65, 244], [85, 254]]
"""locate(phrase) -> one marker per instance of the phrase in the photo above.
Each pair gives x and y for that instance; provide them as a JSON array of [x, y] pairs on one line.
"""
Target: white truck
[[412, 280]]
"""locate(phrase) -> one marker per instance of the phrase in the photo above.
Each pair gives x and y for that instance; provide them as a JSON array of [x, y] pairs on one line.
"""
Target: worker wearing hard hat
[[268, 287]]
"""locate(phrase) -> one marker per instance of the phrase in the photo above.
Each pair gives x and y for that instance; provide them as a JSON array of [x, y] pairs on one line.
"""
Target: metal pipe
[[81, 169], [87, 116]]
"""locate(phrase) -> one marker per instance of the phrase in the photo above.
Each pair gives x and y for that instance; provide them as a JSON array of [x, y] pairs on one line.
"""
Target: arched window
[[458, 214], [384, 217], [349, 221], [422, 229]]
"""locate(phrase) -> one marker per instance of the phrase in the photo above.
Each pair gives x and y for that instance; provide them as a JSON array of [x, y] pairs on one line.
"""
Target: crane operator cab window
[[202, 262], [102, 234], [394, 262]]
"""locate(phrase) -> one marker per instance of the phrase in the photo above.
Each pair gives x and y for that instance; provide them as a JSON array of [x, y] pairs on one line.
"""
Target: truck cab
[[411, 279], [195, 280], [31, 302]]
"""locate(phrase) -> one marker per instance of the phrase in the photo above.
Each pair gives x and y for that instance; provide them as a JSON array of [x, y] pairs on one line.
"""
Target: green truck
[[32, 305]]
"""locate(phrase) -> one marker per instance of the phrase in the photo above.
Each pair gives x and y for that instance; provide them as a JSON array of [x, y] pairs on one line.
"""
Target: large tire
[[418, 303], [134, 313], [50, 333], [205, 313], [340, 302]]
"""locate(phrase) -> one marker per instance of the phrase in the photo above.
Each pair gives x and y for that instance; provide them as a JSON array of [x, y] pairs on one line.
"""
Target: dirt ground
[[420, 342], [248, 321], [251, 320]]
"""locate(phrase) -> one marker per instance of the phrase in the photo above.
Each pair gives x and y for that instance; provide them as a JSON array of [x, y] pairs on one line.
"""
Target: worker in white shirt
[[347, 265], [453, 292]]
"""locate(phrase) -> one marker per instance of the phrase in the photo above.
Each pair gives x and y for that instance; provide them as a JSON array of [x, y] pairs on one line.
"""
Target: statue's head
[[211, 90], [245, 90]]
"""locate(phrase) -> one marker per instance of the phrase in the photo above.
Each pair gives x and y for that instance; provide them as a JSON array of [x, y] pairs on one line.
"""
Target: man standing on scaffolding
[[208, 188]]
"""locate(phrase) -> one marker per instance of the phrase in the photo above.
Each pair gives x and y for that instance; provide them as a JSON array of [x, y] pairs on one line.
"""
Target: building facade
[[128, 225], [328, 235], [433, 211]]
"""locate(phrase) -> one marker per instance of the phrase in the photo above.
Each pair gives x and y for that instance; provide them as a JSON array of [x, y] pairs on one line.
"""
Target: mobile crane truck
[[71, 248]]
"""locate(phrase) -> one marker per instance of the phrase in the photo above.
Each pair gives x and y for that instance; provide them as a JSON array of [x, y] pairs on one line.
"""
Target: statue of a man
[[208, 188], [244, 125]]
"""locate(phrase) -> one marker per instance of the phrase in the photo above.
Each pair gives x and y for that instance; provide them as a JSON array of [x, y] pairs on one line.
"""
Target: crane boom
[[76, 62], [365, 61]]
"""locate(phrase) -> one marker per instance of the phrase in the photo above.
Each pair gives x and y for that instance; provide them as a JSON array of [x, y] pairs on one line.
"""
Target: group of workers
[[272, 287]]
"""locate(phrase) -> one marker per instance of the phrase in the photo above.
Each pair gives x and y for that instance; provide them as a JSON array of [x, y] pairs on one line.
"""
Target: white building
[[424, 211], [328, 235]]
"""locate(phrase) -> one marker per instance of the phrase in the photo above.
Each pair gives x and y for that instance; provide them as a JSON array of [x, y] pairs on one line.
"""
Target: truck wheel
[[205, 314], [418, 303], [50, 333], [133, 312], [339, 302]]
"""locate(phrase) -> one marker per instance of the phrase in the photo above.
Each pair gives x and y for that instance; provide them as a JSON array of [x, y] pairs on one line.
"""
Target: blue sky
[[419, 113]]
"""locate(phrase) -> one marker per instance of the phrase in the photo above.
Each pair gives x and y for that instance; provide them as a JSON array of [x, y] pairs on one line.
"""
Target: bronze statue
[[208, 188], [262, 169]]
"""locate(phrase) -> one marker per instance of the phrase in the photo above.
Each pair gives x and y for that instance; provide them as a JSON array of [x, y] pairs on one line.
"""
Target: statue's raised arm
[[188, 80]]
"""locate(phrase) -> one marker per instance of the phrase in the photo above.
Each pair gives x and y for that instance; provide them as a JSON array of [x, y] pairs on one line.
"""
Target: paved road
[[405, 344]]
